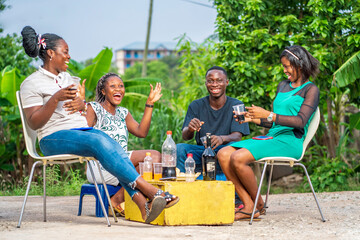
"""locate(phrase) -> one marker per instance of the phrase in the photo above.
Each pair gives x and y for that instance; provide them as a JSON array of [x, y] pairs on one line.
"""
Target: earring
[[50, 58]]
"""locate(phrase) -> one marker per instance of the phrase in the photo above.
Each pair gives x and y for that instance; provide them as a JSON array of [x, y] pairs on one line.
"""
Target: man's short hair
[[216, 68]]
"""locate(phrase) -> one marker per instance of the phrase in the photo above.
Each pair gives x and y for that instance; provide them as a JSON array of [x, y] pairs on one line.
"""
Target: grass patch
[[56, 184]]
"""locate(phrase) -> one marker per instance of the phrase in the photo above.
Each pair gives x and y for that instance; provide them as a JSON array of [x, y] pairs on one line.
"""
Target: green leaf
[[75, 67], [349, 72], [4, 102], [355, 121], [101, 65], [7, 167], [10, 83], [2, 149]]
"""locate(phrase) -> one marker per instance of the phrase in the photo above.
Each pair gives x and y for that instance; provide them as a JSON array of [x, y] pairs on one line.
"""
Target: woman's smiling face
[[60, 57], [290, 71], [114, 90]]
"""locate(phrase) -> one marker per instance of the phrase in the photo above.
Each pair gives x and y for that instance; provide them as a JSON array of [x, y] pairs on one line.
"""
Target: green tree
[[155, 69], [13, 55], [195, 60], [2, 8], [253, 33], [165, 69]]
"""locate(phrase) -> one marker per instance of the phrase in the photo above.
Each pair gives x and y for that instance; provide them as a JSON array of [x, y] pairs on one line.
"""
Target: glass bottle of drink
[[209, 161], [189, 168], [169, 157], [147, 167]]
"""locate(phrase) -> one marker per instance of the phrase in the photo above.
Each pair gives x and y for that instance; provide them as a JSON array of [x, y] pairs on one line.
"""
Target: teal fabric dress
[[284, 142]]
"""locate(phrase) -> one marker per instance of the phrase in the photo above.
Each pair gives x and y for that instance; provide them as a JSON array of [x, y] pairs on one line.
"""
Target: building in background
[[130, 54]]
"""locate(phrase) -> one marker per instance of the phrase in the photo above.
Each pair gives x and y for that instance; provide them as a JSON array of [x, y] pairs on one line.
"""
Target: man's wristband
[[148, 105]]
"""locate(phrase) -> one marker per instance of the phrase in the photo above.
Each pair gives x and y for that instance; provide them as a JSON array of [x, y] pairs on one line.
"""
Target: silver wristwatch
[[270, 117]]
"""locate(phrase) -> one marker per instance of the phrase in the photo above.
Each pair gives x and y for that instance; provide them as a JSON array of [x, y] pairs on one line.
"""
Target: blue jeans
[[182, 149], [97, 144]]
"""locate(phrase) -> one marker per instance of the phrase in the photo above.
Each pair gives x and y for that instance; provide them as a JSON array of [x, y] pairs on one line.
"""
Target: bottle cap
[[148, 154], [189, 155], [168, 132]]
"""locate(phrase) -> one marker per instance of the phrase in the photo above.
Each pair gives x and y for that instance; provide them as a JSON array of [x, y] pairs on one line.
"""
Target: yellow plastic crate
[[201, 203]]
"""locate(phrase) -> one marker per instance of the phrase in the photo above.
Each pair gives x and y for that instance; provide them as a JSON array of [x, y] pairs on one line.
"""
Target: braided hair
[[100, 97], [36, 44], [301, 59]]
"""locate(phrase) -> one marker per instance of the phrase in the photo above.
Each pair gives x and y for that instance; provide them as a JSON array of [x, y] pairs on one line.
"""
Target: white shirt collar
[[63, 79]]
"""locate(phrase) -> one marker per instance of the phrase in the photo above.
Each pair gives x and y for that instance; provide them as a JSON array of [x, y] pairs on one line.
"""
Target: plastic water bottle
[[189, 168], [148, 157], [147, 167], [169, 157]]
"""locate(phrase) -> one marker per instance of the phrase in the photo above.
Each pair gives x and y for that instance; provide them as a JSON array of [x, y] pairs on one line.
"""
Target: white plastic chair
[[288, 161], [30, 142]]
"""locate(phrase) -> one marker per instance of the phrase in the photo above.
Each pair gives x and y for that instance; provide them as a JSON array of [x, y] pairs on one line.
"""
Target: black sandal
[[158, 204], [171, 200]]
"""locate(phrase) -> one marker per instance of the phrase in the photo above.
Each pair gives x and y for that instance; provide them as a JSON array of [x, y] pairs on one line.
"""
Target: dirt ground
[[289, 216]]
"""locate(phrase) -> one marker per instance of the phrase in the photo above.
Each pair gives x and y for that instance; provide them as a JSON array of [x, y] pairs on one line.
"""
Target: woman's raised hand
[[155, 94]]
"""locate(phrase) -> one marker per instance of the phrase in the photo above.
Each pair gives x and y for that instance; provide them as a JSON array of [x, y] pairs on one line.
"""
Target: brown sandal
[[119, 211]]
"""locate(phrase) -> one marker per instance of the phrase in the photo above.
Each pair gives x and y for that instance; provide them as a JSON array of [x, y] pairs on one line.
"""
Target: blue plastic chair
[[220, 176], [89, 189]]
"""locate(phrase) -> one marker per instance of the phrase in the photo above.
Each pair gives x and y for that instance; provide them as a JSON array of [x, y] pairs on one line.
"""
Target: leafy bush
[[332, 176]]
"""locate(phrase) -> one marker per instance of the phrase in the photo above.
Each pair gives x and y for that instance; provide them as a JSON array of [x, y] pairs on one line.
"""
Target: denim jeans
[[97, 144], [182, 149]]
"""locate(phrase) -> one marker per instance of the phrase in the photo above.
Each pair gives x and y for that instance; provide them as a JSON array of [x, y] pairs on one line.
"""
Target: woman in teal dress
[[295, 103]]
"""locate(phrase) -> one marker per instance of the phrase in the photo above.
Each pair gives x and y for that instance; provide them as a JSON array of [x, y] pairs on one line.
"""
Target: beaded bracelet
[[148, 105], [83, 113]]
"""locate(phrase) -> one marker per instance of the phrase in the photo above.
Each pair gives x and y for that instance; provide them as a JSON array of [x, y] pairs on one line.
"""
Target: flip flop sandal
[[157, 206], [247, 218]]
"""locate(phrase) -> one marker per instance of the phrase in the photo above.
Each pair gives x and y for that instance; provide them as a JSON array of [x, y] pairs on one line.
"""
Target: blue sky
[[89, 25]]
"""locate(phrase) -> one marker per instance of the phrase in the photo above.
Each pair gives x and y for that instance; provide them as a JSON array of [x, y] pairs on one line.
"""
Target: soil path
[[289, 216]]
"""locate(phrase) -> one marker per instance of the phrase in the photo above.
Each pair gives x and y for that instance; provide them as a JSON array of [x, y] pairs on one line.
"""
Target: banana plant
[[10, 83], [137, 91], [348, 75], [100, 66], [349, 72]]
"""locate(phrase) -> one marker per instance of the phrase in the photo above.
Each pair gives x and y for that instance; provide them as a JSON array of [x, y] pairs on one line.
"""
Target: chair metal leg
[[312, 189], [106, 190], [268, 187], [44, 187], [99, 196], [27, 192], [258, 193]]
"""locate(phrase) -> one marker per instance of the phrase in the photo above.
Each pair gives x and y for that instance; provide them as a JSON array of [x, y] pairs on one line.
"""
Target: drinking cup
[[147, 171], [239, 111], [157, 171], [141, 169]]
